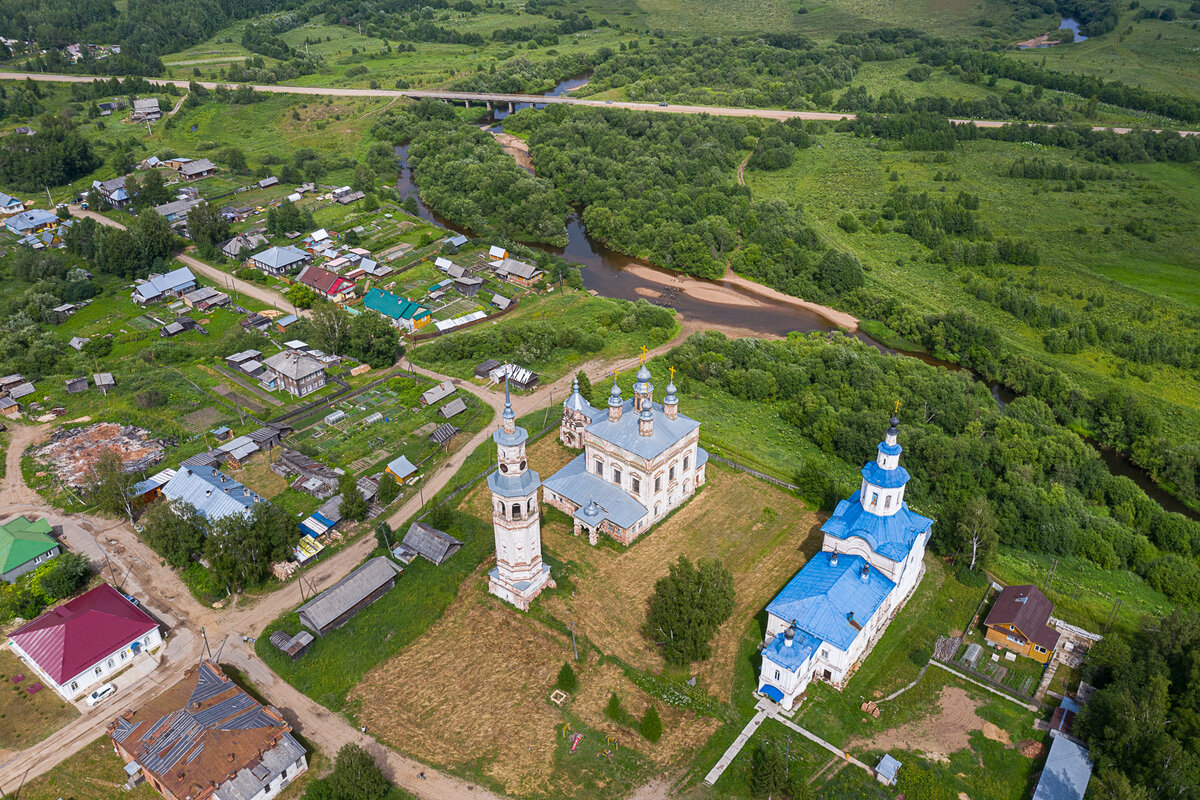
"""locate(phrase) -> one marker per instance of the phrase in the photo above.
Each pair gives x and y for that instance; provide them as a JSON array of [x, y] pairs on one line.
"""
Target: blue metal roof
[[514, 485], [821, 597], [773, 693], [791, 658], [889, 536], [890, 449], [624, 432], [581, 487], [888, 767], [884, 478], [1067, 772]]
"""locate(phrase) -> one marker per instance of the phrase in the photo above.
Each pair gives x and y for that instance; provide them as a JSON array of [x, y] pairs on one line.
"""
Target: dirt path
[[742, 170], [946, 731], [13, 489]]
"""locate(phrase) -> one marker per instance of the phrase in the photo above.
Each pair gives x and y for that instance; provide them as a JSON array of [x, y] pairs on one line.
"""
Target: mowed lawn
[[761, 533], [94, 773], [26, 718]]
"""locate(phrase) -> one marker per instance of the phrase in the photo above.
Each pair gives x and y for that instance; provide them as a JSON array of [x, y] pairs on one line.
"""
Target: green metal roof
[[22, 540], [393, 306]]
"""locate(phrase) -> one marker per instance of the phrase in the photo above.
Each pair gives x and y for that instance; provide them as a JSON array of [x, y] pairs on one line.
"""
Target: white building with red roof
[[86, 640]]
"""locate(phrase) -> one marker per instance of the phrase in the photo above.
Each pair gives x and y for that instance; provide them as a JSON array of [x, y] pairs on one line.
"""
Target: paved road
[[487, 97]]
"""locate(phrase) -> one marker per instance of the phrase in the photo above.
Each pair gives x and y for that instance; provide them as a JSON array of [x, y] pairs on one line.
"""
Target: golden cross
[[897, 411], [642, 359], [672, 371], [616, 372]]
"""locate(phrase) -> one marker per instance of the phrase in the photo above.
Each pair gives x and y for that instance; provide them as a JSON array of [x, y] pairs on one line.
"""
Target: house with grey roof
[[336, 605], [113, 191], [1067, 772], [438, 393], [428, 542], [232, 248], [453, 408], [279, 260], [160, 287], [294, 372], [194, 170], [515, 271], [211, 492], [145, 109], [176, 210]]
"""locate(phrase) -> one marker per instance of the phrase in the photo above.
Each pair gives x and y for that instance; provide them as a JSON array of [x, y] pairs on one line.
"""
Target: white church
[[829, 616], [640, 460]]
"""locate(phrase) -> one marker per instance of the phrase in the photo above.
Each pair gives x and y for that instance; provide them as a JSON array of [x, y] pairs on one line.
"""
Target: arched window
[[532, 505], [516, 511], [887, 501], [874, 498]]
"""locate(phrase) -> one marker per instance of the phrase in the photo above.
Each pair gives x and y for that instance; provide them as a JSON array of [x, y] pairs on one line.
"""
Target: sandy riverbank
[[744, 297], [515, 147]]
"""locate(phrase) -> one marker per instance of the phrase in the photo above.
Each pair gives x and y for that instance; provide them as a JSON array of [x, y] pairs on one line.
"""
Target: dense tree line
[[145, 29], [1012, 103], [1049, 490], [133, 252], [1038, 168], [368, 338], [56, 579], [58, 154], [1142, 725], [410, 20], [660, 187], [464, 175]]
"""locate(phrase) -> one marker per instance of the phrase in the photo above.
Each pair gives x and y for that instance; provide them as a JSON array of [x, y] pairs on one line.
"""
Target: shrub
[[651, 726], [567, 681]]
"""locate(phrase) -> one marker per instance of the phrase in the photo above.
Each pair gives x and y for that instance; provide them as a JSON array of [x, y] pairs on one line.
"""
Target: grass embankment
[[96, 772]]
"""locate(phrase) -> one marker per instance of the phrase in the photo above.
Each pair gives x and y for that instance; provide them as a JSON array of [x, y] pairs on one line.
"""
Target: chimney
[[866, 573], [833, 559], [789, 636]]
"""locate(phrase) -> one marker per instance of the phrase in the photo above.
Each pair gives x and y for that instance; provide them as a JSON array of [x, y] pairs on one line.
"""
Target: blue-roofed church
[[640, 460], [829, 616]]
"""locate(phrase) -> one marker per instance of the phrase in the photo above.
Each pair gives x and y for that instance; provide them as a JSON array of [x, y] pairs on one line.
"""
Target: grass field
[[27, 718], [95, 773], [1085, 250]]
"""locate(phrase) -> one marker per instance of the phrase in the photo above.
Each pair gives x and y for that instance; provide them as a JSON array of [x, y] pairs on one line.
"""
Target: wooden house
[[1019, 621]]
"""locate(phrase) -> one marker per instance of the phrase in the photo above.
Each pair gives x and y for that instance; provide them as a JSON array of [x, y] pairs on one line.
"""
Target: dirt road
[[218, 276], [442, 94]]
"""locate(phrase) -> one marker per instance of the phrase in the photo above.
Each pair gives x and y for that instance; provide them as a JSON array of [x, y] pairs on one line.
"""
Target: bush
[[614, 711], [651, 726], [849, 223], [566, 678]]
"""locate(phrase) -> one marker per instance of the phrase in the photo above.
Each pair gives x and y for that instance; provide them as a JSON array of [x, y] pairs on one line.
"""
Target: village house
[[176, 210], [402, 470], [25, 544], [438, 393], [295, 372], [232, 248], [82, 642], [10, 205], [204, 298], [32, 221], [326, 284], [519, 377], [113, 192], [518, 272], [194, 170], [145, 110], [428, 542], [829, 616], [336, 605], [156, 288], [205, 738], [279, 260], [406, 314], [213, 494], [640, 460], [1019, 621]]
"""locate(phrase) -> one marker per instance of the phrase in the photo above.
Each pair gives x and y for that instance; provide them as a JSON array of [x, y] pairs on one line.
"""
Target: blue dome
[[890, 449], [884, 478]]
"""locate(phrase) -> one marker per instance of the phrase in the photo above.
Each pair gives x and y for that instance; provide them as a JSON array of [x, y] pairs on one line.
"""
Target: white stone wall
[[101, 671], [649, 474], [791, 683]]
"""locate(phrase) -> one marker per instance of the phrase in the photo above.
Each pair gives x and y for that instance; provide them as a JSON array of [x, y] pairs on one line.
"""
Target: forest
[[1142, 725], [1047, 489], [661, 187], [57, 154], [464, 175]]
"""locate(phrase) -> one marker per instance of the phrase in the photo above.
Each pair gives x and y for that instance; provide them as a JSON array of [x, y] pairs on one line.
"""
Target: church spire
[[643, 389], [614, 401], [509, 415], [882, 490], [671, 402]]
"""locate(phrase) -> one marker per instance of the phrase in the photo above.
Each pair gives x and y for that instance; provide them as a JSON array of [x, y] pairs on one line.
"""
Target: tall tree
[[688, 606], [977, 536], [110, 485], [353, 506]]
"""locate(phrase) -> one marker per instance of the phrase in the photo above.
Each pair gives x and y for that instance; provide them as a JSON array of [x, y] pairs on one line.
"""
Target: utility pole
[[1050, 576], [573, 646]]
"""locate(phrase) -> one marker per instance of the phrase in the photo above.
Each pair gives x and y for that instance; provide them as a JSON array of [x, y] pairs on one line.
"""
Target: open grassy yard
[[27, 718], [95, 773], [762, 533]]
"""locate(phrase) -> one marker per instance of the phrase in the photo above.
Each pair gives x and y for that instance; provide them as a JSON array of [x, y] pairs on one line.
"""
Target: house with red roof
[[85, 641], [327, 284]]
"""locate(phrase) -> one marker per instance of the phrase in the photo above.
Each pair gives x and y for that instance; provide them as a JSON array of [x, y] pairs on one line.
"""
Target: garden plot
[[202, 419]]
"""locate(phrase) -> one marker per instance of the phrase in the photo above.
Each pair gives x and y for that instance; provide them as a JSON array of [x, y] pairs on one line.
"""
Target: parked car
[[100, 695], [664, 104]]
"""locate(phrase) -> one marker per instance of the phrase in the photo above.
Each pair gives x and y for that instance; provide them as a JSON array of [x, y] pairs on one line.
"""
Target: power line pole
[[573, 646]]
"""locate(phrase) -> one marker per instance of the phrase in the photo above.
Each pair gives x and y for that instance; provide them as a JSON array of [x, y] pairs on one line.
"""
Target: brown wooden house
[[1019, 621]]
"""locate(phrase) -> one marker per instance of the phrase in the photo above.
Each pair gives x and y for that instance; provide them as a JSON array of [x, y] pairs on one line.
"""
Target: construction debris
[[72, 454]]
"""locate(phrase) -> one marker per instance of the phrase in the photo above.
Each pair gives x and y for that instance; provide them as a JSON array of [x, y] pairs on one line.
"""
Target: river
[[606, 274], [1069, 24]]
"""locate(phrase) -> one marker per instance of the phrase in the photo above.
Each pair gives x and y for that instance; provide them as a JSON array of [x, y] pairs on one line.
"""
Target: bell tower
[[519, 575]]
